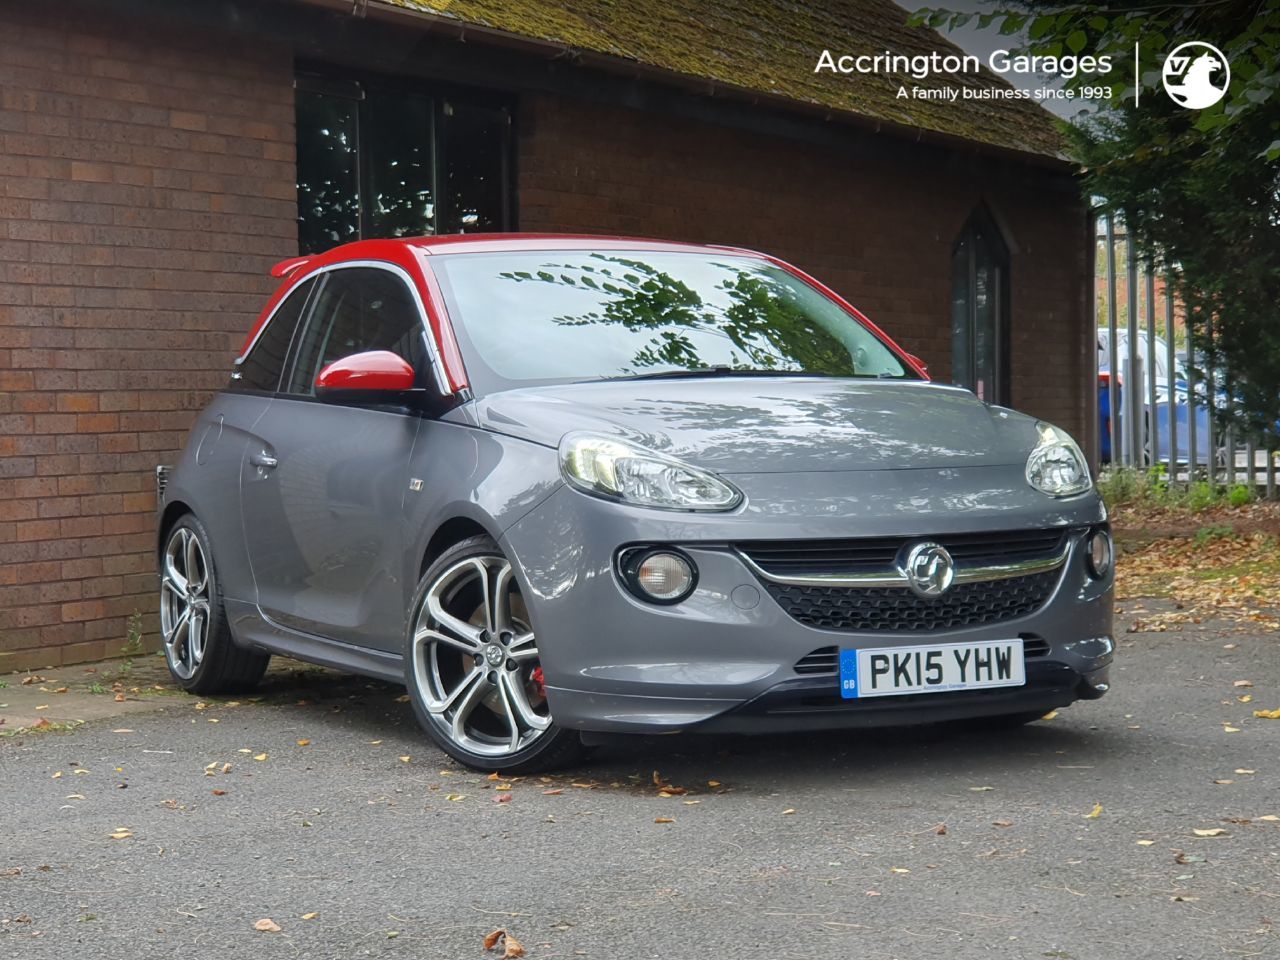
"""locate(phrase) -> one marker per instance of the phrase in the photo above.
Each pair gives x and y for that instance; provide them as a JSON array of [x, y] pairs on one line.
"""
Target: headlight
[[1056, 466], [618, 470]]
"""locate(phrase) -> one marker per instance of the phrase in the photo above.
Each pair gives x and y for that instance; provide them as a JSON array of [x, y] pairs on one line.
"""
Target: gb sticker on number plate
[[942, 667]]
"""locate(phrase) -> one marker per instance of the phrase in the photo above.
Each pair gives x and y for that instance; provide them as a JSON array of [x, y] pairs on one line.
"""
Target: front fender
[[470, 474]]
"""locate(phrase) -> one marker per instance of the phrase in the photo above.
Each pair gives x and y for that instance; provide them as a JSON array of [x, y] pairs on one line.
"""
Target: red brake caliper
[[536, 677]]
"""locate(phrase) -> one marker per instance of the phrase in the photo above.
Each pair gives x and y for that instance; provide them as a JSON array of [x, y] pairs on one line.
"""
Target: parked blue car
[[1157, 419]]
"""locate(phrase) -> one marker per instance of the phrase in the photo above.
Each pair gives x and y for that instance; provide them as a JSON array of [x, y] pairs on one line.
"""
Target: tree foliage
[[1199, 189]]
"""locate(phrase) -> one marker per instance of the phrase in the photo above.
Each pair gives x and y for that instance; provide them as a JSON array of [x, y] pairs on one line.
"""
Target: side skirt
[[251, 628]]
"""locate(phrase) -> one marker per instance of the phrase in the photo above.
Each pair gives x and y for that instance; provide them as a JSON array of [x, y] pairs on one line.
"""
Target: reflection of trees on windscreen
[[763, 327]]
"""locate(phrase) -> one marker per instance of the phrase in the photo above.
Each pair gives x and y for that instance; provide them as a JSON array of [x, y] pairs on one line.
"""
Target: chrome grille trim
[[897, 578]]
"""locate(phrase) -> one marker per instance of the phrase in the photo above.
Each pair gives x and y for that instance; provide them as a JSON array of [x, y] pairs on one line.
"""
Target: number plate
[[935, 668]]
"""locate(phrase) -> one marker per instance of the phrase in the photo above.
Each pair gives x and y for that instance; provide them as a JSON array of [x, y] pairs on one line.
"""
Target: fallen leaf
[[503, 798], [219, 793], [121, 833], [375, 742], [309, 916], [873, 893], [491, 939], [1050, 715], [1002, 823], [899, 870], [41, 724], [1268, 714], [502, 786], [1270, 817], [267, 925], [787, 812], [120, 698], [664, 820], [455, 797], [60, 690], [405, 759], [940, 829], [1245, 771], [1230, 729], [43, 706], [1247, 698], [713, 783], [1243, 683], [122, 730], [553, 793], [1095, 813], [1145, 843], [403, 698], [1211, 832], [304, 743], [981, 789], [1185, 858], [1223, 783], [512, 949], [27, 681], [259, 756], [57, 776]]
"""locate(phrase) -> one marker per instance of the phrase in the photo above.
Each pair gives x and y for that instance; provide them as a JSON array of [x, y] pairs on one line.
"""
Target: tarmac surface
[[1146, 824]]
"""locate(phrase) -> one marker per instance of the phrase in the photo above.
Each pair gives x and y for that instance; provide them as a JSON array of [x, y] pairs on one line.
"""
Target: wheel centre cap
[[494, 654]]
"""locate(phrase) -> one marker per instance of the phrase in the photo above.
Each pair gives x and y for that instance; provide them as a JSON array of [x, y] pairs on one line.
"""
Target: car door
[[226, 426], [323, 482]]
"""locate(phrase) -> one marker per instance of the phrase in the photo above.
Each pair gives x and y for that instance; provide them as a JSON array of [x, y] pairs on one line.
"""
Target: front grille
[[825, 661], [801, 558], [896, 609]]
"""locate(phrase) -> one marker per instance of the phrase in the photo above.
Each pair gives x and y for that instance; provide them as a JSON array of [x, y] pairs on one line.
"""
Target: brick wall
[[878, 232], [146, 187]]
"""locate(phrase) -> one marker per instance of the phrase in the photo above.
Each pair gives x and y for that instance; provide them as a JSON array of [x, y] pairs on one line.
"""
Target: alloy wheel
[[184, 602], [475, 659]]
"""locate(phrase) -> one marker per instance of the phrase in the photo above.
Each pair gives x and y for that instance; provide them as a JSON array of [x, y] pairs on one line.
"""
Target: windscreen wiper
[[717, 372]]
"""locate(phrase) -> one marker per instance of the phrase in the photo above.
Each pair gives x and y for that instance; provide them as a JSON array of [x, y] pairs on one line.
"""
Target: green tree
[[1199, 189]]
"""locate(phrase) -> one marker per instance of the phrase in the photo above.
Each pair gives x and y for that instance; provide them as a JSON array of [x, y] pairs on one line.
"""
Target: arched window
[[980, 310]]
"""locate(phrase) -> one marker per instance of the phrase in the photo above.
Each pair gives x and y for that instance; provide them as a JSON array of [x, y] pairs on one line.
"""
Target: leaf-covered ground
[[1224, 566]]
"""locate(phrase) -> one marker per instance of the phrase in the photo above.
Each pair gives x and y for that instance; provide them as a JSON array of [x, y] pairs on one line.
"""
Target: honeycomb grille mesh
[[898, 610]]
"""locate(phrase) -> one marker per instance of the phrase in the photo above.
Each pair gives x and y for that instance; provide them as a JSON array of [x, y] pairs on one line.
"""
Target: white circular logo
[[1196, 75], [929, 569]]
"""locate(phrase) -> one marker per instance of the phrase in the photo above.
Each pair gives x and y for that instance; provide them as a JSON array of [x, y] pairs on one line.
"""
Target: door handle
[[264, 461]]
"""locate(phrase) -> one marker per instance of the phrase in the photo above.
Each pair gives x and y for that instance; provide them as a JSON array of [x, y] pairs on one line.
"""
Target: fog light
[[659, 575], [1100, 553]]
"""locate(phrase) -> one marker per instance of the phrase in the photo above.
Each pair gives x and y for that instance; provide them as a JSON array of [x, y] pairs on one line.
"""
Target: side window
[[357, 309], [261, 369]]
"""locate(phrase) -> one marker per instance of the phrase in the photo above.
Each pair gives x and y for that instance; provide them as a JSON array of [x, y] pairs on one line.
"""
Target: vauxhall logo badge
[[929, 569]]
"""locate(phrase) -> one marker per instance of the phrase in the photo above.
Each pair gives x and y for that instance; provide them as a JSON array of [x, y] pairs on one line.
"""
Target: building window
[[980, 310], [376, 160]]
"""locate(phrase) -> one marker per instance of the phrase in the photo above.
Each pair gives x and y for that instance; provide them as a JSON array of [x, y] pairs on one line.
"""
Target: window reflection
[[380, 162]]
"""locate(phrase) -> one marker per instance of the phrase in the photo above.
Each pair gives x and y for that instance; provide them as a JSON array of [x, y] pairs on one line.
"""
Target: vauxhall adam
[[562, 487]]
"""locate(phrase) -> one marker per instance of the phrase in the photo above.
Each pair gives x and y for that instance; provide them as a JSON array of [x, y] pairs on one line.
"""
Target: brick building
[[158, 158]]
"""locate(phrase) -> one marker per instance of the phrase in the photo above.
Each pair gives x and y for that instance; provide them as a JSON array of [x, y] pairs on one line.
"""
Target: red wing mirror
[[375, 371], [924, 367]]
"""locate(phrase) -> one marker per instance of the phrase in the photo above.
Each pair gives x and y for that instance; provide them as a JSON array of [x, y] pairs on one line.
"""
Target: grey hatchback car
[[566, 487]]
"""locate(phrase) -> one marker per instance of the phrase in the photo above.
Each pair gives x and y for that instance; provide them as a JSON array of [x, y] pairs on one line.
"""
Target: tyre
[[198, 647], [472, 667]]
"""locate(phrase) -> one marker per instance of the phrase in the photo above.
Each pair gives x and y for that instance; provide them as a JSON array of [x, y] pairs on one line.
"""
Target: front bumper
[[725, 658]]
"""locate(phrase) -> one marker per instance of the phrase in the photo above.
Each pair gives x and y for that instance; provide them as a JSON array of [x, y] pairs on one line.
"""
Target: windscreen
[[559, 316]]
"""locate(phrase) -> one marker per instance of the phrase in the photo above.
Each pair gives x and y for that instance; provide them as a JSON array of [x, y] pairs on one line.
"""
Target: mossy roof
[[770, 47]]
